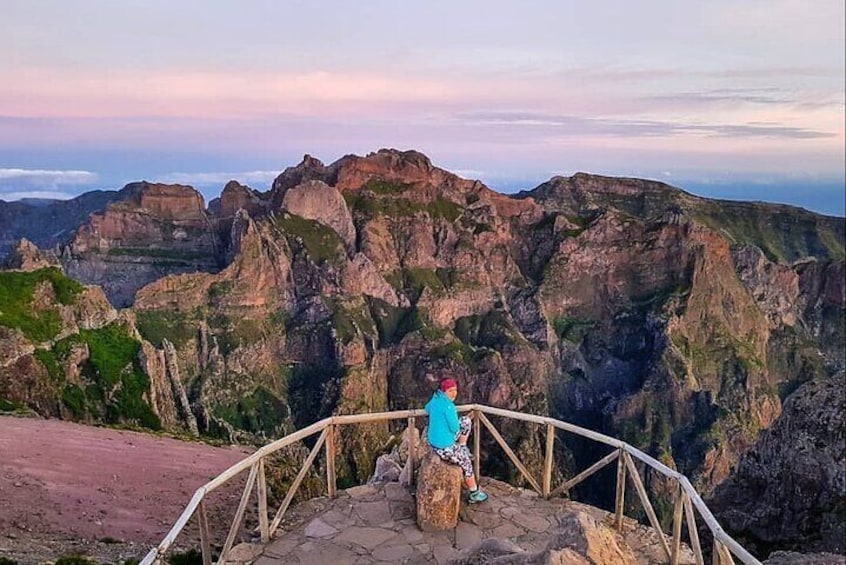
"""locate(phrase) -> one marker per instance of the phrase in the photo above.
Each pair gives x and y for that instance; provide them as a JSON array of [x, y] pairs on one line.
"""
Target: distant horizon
[[731, 99], [813, 196]]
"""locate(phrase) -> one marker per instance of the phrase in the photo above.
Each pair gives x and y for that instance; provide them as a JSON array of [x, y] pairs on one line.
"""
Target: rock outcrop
[[802, 454], [438, 494], [26, 256], [48, 223], [155, 231], [580, 539], [236, 196], [315, 200]]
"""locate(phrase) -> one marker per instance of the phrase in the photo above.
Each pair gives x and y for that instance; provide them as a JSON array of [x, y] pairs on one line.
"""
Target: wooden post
[[547, 464], [477, 442], [678, 518], [331, 485], [205, 536], [411, 431], [262, 502], [693, 531], [620, 500], [239, 514], [644, 499]]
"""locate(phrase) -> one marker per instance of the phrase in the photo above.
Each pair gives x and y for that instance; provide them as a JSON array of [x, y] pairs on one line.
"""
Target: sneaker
[[477, 496]]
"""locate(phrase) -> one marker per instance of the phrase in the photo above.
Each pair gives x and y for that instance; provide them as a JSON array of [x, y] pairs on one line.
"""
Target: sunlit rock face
[[676, 323]]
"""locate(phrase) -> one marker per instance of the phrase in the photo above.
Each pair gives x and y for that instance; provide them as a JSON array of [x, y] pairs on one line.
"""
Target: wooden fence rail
[[687, 499]]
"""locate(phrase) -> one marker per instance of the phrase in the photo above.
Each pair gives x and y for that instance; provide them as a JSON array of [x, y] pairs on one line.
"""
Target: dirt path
[[112, 494]]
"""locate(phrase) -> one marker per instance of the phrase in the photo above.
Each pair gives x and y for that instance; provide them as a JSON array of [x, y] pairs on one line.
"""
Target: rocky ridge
[[48, 223]]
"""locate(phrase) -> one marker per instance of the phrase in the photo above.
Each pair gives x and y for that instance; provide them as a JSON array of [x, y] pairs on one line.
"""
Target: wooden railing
[[687, 501]]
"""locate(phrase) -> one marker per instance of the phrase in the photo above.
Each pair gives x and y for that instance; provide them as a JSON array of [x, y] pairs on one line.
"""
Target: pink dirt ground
[[65, 480]]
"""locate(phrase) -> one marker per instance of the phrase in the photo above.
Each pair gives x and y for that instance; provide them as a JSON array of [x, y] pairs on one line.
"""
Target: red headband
[[447, 384]]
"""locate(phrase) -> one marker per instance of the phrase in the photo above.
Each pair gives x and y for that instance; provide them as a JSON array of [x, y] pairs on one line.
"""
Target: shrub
[[111, 350], [74, 398], [9, 406], [48, 359]]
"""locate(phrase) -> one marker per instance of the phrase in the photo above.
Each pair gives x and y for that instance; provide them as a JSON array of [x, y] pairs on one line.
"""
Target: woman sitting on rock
[[448, 435]]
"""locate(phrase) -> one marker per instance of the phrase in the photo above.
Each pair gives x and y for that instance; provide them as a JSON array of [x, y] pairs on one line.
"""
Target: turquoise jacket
[[443, 421]]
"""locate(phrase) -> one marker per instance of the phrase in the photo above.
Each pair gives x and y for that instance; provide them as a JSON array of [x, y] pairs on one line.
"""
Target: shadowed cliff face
[[789, 489], [676, 323]]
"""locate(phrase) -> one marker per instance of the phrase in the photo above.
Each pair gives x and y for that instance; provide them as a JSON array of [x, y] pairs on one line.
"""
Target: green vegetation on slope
[[380, 186], [156, 325], [312, 392], [385, 204], [395, 322], [572, 329], [321, 243], [233, 331], [349, 318], [17, 292], [260, 412], [783, 234], [492, 330], [113, 381]]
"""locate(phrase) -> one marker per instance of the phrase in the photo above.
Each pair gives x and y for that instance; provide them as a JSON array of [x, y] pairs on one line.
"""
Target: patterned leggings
[[459, 454]]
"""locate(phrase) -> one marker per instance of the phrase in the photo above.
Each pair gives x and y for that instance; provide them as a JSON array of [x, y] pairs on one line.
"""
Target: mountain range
[[703, 332]]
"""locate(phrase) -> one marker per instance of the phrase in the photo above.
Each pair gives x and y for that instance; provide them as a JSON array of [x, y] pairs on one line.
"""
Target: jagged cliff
[[789, 490], [48, 223], [153, 231], [677, 323]]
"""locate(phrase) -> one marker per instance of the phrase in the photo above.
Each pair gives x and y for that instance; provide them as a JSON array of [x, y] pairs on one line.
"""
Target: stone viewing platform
[[376, 524], [381, 521]]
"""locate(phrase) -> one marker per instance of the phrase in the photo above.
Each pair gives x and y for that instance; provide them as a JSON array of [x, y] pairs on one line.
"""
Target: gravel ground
[[67, 488]]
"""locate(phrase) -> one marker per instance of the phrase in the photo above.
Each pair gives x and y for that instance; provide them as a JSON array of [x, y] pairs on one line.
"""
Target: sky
[[724, 98]]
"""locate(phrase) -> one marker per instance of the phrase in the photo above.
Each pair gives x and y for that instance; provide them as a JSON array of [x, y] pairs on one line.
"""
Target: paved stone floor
[[375, 524]]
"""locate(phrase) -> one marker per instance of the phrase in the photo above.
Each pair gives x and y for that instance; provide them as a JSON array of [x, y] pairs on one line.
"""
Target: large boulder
[[315, 200], [438, 494]]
